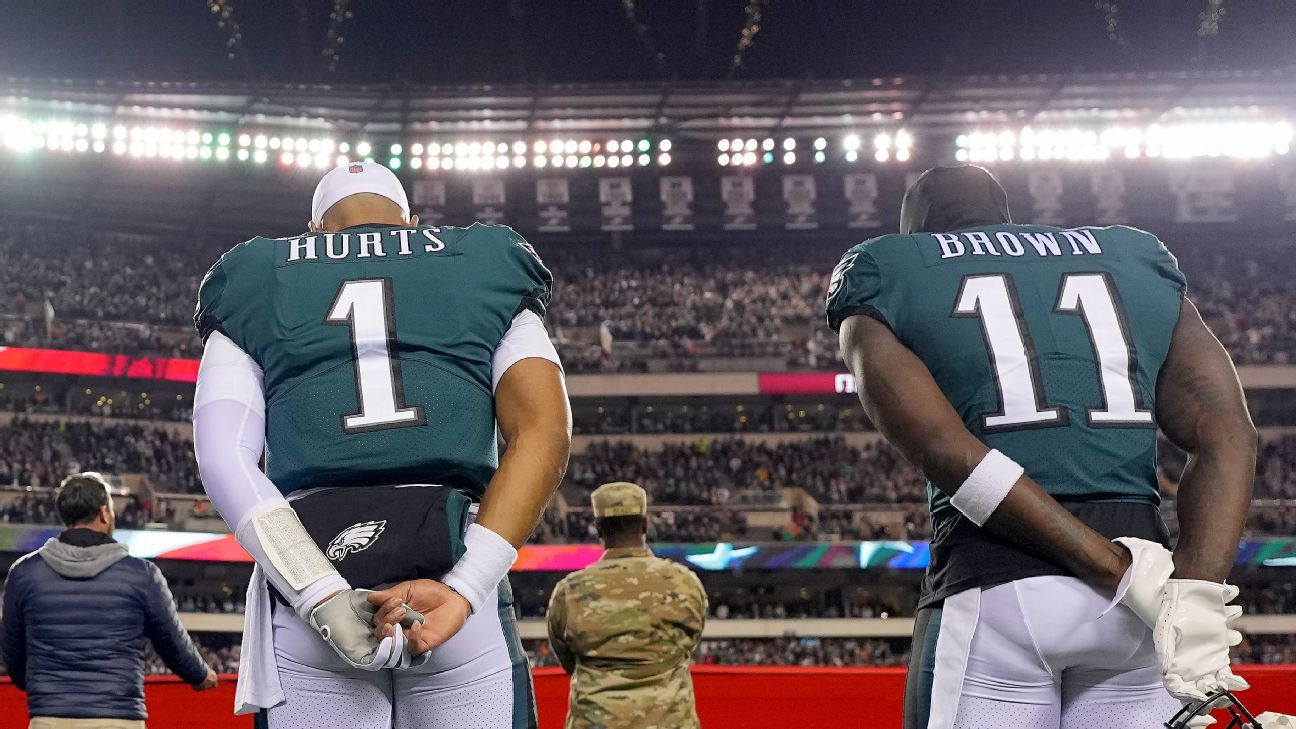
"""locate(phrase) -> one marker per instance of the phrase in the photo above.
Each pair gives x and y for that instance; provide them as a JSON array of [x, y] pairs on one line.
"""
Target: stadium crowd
[[727, 473], [135, 296]]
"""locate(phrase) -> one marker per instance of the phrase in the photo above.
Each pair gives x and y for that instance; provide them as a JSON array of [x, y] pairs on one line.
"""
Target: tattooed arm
[[908, 407], [1201, 408]]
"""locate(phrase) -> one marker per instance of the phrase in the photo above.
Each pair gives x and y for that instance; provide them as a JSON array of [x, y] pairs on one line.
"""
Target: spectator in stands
[[77, 613]]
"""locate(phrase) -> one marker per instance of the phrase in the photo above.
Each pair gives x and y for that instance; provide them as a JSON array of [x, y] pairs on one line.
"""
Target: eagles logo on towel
[[355, 538]]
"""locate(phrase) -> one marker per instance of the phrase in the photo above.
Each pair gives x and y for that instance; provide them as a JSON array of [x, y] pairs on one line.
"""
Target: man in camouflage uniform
[[625, 626]]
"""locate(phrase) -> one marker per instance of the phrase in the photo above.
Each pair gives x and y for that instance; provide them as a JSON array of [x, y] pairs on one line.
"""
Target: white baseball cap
[[354, 178]]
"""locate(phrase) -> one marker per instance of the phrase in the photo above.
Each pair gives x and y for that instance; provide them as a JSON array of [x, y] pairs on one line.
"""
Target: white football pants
[[1034, 654], [479, 679]]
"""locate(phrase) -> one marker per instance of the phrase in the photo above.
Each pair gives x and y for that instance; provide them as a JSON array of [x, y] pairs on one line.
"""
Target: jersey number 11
[[993, 299]]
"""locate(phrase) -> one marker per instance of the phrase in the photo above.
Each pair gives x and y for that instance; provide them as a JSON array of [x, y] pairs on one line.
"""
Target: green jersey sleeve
[[232, 293], [856, 287], [1163, 262], [523, 272]]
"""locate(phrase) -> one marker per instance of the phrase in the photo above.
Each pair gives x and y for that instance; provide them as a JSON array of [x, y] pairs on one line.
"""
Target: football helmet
[[1239, 717]]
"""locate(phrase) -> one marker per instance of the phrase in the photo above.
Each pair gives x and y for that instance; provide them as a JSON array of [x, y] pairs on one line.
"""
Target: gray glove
[[345, 622]]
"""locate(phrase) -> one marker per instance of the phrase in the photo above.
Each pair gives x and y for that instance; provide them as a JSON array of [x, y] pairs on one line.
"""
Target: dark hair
[[621, 528], [80, 497], [948, 198]]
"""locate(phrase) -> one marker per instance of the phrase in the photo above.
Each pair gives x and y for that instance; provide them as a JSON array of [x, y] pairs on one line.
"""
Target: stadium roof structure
[[699, 110]]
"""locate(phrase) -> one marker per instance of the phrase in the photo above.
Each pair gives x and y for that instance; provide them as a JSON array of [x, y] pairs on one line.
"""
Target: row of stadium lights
[[1208, 139], [1244, 140], [573, 153], [747, 152]]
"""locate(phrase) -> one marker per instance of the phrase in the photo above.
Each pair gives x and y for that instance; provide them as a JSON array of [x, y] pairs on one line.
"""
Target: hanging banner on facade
[[677, 203], [1108, 187], [1203, 194], [1046, 196], [615, 198], [738, 194], [861, 198], [799, 202], [429, 201], [553, 195], [488, 201]]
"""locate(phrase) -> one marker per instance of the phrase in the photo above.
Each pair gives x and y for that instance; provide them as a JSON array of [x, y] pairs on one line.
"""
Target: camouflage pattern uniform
[[624, 628]]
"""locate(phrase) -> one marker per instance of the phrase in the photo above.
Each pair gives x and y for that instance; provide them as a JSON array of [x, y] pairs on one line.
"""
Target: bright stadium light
[[615, 161], [644, 160], [767, 144], [852, 155], [820, 143], [750, 145], [599, 160], [519, 161], [539, 160], [820, 157], [665, 145], [434, 163], [789, 158], [789, 144], [851, 142], [664, 159], [363, 149], [520, 147]]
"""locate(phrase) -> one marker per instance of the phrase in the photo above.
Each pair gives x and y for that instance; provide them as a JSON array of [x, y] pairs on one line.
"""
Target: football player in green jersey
[[373, 359], [1025, 369]]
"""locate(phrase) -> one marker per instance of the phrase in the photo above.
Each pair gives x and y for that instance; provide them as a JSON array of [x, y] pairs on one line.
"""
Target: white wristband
[[986, 487], [478, 572]]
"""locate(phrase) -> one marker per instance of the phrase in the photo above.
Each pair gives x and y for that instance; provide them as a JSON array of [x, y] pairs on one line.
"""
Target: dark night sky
[[528, 41]]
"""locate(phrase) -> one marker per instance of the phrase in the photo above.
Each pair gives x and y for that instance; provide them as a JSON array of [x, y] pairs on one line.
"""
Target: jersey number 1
[[993, 299], [365, 305]]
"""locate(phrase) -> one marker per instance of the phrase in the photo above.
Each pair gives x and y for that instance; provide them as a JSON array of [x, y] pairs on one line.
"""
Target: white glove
[[345, 622], [1141, 588], [1192, 624], [1193, 634]]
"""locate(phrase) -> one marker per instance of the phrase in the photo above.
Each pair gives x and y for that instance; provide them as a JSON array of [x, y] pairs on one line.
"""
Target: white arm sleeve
[[229, 437], [525, 338]]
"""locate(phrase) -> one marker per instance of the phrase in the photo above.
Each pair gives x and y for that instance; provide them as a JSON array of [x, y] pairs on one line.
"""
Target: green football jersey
[[1047, 342], [376, 343]]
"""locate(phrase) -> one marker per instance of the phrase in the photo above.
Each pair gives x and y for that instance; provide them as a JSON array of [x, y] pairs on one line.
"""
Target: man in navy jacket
[[76, 615]]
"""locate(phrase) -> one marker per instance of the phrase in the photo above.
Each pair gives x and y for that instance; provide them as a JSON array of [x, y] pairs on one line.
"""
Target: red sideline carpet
[[737, 697]]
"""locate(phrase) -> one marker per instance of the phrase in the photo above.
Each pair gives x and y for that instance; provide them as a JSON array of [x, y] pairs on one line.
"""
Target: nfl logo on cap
[[355, 168]]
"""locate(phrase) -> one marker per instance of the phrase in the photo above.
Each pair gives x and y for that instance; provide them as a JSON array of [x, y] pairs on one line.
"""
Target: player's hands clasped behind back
[[444, 610], [345, 621], [1191, 621]]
